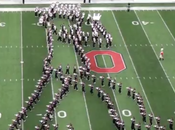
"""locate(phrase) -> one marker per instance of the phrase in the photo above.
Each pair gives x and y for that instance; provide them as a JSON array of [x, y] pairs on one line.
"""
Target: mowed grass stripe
[[33, 63], [124, 102], [146, 63], [10, 97], [169, 52], [159, 34], [73, 103], [98, 111]]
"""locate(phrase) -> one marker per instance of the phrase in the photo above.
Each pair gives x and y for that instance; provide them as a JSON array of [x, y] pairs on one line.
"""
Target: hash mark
[[143, 77], [120, 77], [132, 77], [27, 79], [126, 77], [155, 77], [145, 44], [5, 46], [10, 80], [26, 46], [4, 80], [16, 80], [33, 79], [149, 77], [32, 46]]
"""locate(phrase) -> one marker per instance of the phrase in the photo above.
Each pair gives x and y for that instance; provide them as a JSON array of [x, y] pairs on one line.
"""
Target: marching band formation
[[76, 36]]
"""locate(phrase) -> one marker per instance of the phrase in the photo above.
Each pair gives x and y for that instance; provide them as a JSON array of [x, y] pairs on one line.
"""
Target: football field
[[133, 60]]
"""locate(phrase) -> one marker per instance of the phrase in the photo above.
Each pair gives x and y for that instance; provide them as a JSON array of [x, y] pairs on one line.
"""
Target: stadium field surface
[[133, 60]]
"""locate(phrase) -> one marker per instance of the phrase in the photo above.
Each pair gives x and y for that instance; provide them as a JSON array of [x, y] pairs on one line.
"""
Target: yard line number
[[2, 24], [125, 112], [142, 22], [62, 114]]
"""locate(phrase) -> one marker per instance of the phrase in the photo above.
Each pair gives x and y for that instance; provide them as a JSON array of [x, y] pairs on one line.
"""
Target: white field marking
[[95, 9], [22, 75], [155, 54], [166, 25], [113, 91], [84, 97], [133, 65], [51, 81]]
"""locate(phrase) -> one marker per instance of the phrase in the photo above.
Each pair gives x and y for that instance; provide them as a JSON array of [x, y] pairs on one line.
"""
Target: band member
[[143, 117], [120, 87], [156, 127], [67, 69], [94, 79], [99, 92], [157, 120], [133, 93], [55, 126], [83, 87], [56, 74], [75, 84], [60, 69], [148, 127], [102, 80], [109, 81], [88, 75], [91, 88], [150, 118], [74, 69], [129, 91], [133, 123], [171, 123], [138, 126], [113, 84]]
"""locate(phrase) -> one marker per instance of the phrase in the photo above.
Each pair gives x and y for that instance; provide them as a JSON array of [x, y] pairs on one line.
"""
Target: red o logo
[[118, 62]]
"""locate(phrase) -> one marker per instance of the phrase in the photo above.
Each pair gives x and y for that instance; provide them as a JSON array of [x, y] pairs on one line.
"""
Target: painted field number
[[2, 24], [62, 114], [126, 113], [0, 115], [138, 23]]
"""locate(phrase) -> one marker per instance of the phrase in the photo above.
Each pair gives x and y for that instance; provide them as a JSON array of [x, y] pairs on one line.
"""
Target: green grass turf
[[108, 60], [158, 90]]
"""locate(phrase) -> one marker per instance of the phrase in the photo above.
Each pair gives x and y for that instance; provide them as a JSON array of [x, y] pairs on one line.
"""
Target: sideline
[[95, 8]]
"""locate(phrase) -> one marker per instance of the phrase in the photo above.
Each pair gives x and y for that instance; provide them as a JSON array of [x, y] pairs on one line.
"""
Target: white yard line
[[22, 74], [95, 8], [166, 25], [51, 82], [113, 91], [155, 52], [132, 63], [84, 97]]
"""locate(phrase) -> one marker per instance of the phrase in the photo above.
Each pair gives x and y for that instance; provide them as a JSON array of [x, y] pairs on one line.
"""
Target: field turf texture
[[137, 36]]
